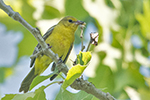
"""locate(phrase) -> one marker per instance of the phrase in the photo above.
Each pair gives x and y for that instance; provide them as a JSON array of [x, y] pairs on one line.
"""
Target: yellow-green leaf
[[83, 58], [50, 12], [75, 72]]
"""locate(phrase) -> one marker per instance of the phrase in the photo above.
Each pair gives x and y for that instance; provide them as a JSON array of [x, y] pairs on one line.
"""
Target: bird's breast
[[60, 43]]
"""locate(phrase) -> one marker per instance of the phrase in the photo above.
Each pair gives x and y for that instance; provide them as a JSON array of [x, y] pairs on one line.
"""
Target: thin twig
[[93, 39], [81, 36], [88, 46]]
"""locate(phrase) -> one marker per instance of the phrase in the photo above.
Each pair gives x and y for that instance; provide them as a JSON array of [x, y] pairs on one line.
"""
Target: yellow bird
[[60, 37]]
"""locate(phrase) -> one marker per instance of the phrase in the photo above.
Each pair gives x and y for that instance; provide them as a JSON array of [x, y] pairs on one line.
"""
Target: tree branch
[[78, 84], [88, 87]]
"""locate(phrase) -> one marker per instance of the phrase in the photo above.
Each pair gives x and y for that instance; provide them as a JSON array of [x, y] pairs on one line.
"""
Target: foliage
[[76, 71], [39, 94], [66, 95], [38, 80], [118, 70]]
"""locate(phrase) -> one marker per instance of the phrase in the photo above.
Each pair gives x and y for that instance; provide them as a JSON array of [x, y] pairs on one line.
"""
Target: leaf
[[50, 12], [83, 58], [2, 74], [132, 77], [144, 19], [79, 12], [8, 96], [18, 96], [39, 94], [38, 80], [27, 45], [103, 79], [75, 72], [109, 3], [66, 95], [23, 96], [144, 94]]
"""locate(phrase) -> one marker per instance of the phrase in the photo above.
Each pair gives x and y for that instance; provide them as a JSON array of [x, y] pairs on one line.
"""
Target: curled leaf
[[76, 71]]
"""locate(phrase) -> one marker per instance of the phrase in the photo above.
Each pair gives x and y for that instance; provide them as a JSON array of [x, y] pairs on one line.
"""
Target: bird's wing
[[49, 32], [64, 61]]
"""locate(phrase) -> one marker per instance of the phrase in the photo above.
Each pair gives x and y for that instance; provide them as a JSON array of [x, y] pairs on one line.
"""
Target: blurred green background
[[120, 63]]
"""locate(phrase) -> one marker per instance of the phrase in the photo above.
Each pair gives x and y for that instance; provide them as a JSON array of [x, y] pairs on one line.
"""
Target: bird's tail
[[27, 81]]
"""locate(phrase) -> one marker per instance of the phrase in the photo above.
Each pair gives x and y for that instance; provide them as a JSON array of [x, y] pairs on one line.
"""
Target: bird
[[60, 37]]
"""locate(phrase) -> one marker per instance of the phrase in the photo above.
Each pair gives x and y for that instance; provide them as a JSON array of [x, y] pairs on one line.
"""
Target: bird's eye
[[70, 20]]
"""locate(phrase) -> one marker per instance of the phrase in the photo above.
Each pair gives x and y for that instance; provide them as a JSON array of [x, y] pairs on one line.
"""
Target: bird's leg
[[49, 46], [60, 61], [81, 76], [75, 62]]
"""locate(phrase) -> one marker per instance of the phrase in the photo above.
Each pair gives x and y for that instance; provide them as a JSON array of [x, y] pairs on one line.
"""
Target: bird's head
[[71, 22]]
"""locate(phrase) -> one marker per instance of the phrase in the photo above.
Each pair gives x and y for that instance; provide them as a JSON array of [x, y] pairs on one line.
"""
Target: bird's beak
[[78, 22]]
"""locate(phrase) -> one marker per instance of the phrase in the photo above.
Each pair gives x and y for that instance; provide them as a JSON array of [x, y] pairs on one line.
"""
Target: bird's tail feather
[[27, 81]]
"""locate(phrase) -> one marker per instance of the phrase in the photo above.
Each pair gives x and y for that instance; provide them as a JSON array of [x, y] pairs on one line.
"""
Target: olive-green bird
[[60, 37]]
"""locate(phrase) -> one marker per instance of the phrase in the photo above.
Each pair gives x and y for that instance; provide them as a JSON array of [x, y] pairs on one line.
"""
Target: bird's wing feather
[[49, 32], [64, 61]]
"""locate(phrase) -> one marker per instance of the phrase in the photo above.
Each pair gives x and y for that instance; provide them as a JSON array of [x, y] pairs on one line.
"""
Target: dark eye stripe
[[70, 20]]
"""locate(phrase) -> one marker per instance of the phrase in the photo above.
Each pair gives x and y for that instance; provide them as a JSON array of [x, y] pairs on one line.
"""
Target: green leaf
[[39, 94], [109, 3], [23, 96], [2, 74], [144, 19], [66, 95], [83, 58], [9, 96], [75, 8], [38, 80], [27, 45], [132, 77], [50, 12], [27, 12], [18, 96], [75, 72], [103, 79], [144, 93]]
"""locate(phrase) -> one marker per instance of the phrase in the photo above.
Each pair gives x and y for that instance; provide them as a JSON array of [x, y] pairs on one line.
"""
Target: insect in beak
[[80, 22]]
